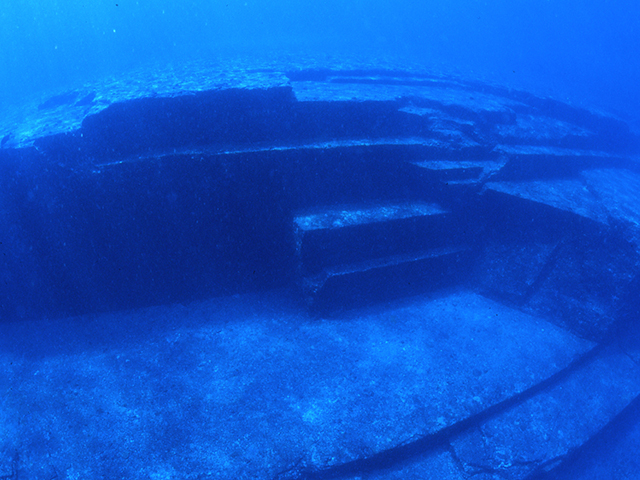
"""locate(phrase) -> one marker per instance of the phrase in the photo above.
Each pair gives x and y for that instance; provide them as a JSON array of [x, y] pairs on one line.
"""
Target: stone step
[[456, 171], [565, 198], [339, 236], [527, 162], [362, 283], [450, 181]]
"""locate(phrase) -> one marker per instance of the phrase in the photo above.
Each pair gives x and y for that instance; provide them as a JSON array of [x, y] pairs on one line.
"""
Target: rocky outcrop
[[487, 238]]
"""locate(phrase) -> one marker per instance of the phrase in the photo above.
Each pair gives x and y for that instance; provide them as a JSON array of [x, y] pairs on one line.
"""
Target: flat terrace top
[[346, 217], [310, 80], [250, 386]]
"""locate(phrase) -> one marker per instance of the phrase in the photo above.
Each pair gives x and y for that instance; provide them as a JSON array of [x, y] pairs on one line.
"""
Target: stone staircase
[[359, 255], [354, 256], [497, 235]]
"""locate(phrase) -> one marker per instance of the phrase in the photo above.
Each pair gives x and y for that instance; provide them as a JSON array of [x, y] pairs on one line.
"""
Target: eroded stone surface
[[555, 421], [588, 284], [567, 195], [619, 191], [246, 387], [509, 271], [438, 464]]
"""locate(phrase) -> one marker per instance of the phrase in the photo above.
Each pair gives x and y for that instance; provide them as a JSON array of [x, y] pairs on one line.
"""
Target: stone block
[[340, 236]]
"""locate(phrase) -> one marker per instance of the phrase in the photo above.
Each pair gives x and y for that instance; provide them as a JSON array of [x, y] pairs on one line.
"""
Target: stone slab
[[567, 195], [457, 177], [447, 170], [540, 128], [347, 217], [48, 114], [347, 235], [619, 191], [554, 422], [530, 162], [509, 271], [548, 151], [379, 280], [588, 284], [251, 387], [443, 97]]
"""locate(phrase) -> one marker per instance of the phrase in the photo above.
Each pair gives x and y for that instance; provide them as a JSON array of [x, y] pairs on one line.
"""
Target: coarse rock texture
[[310, 269], [248, 387]]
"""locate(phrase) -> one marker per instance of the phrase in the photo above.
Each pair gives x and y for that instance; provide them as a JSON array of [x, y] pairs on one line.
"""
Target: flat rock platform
[[251, 386]]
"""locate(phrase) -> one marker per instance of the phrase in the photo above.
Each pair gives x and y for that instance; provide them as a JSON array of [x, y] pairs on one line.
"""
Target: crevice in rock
[[547, 466], [456, 459], [598, 446], [394, 457], [544, 273]]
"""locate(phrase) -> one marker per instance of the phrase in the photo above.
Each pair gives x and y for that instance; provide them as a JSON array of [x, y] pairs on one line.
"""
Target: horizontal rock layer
[[363, 192]]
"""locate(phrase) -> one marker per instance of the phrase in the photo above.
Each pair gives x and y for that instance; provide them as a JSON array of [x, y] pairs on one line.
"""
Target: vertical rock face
[[164, 198], [351, 188], [354, 256]]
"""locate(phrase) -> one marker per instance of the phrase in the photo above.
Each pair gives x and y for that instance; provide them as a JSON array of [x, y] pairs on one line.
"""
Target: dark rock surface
[[545, 428], [358, 188], [252, 386]]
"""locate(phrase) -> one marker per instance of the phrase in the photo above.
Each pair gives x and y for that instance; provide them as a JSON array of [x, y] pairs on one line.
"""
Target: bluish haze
[[357, 275], [583, 51]]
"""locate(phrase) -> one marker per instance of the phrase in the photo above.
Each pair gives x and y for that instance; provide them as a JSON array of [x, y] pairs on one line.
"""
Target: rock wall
[[159, 199]]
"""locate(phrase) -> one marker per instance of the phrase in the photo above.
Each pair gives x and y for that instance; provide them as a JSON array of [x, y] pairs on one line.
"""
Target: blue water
[[585, 51], [179, 298]]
